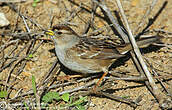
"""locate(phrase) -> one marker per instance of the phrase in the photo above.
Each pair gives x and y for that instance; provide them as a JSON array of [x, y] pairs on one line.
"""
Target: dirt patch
[[78, 13]]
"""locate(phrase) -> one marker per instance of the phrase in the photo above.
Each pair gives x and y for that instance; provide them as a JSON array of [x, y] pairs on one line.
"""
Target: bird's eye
[[59, 33]]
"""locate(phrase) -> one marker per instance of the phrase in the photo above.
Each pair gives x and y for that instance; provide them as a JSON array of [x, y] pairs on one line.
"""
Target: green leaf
[[79, 101], [71, 99], [125, 97], [34, 4], [36, 0], [65, 97], [34, 85], [50, 96], [26, 106], [80, 107], [3, 94], [30, 56]]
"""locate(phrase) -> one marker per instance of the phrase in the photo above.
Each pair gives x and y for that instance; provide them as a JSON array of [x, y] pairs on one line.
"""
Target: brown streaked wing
[[87, 49]]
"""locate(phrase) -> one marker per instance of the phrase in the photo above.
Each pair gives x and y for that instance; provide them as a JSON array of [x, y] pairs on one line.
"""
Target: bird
[[88, 55]]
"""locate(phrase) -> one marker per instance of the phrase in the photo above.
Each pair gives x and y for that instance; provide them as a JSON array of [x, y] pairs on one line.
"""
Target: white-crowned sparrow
[[88, 55]]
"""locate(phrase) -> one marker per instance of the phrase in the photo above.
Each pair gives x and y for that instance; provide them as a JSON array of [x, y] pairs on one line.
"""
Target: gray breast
[[71, 64]]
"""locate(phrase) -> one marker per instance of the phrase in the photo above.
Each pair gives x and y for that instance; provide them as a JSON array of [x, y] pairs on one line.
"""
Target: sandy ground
[[61, 11]]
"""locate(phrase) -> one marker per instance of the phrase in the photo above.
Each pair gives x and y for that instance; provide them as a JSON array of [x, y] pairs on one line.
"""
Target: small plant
[[34, 4], [26, 106], [125, 97], [29, 57], [3, 94], [78, 104], [50, 96], [34, 85]]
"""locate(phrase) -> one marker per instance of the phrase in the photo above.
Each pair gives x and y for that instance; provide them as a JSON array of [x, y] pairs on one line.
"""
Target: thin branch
[[154, 87], [114, 22], [142, 22]]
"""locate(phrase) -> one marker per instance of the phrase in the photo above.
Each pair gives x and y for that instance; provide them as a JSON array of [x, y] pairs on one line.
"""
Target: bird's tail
[[142, 42]]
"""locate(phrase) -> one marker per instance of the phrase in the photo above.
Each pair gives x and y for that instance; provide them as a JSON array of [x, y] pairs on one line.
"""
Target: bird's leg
[[99, 81]]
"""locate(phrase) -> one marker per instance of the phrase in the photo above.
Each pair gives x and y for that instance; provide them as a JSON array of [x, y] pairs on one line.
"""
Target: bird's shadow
[[121, 61]]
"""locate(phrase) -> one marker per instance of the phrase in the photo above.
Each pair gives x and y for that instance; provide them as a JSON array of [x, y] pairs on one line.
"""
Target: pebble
[[3, 20]]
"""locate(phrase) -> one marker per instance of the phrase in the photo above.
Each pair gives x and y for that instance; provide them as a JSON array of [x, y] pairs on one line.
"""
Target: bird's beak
[[49, 32]]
